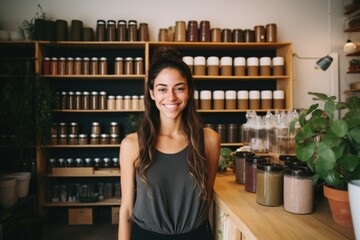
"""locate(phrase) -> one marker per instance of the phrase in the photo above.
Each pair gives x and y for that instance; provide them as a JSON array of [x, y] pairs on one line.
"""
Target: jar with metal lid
[[121, 30], [103, 100], [239, 166], [54, 139], [61, 66], [141, 102], [250, 172], [77, 100], [74, 128], [298, 190], [111, 30], [103, 66], [83, 139], [271, 32], [221, 130], [51, 165], [114, 128], [54, 66], [115, 162], [104, 138], [97, 163], [70, 100], [259, 32], [100, 30], [232, 133], [94, 66], [107, 163], [139, 66], [269, 184], [85, 66], [88, 162], [69, 69], [78, 162], [129, 66], [111, 102], [77, 66], [119, 102], [119, 66], [143, 32], [60, 162], [62, 129], [73, 139], [135, 103], [94, 100], [64, 100], [114, 139], [62, 139], [85, 102], [249, 35], [95, 128], [45, 66], [132, 30], [127, 102], [94, 139]]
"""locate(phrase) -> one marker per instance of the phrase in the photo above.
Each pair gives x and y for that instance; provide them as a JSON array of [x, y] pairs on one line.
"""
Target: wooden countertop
[[261, 222]]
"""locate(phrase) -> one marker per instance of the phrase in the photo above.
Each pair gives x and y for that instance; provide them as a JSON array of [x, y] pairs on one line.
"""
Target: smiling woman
[[172, 158]]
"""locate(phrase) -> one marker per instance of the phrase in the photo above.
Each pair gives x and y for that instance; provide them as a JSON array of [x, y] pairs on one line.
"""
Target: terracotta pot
[[339, 205]]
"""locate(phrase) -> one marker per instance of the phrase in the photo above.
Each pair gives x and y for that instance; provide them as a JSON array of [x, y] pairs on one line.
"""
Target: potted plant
[[331, 146], [26, 103]]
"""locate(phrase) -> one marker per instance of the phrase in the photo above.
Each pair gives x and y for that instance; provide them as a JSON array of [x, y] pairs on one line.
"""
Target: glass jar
[[61, 66], [115, 162], [88, 162], [74, 128], [95, 128], [94, 100], [111, 30], [104, 138], [269, 184], [94, 66], [127, 102], [139, 66], [78, 162], [250, 172], [129, 66], [70, 162], [111, 102], [119, 66], [77, 66], [103, 66], [60, 163], [45, 66], [70, 100], [143, 32], [103, 100], [135, 104], [64, 97], [54, 66], [240, 157], [114, 139], [69, 66], [77, 100], [100, 30], [85, 103], [121, 30], [72, 140], [97, 163], [119, 102], [54, 139], [107, 163], [94, 139], [132, 30], [83, 139], [85, 66], [298, 190], [62, 139], [114, 128]]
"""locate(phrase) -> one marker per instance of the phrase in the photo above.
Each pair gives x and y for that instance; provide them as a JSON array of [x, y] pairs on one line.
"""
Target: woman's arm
[[128, 153], [212, 151]]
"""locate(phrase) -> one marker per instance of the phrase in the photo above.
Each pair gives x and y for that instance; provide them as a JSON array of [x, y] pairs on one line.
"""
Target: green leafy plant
[[27, 27], [330, 146], [226, 159]]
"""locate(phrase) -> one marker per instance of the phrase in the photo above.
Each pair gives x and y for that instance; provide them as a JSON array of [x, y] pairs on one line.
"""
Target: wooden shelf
[[96, 77], [82, 146], [239, 78], [84, 172], [106, 202], [94, 111]]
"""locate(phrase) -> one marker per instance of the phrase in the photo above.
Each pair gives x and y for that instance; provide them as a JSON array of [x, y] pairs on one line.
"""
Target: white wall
[[315, 27]]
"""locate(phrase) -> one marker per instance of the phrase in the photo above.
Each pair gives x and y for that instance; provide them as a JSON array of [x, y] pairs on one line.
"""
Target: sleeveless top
[[170, 204]]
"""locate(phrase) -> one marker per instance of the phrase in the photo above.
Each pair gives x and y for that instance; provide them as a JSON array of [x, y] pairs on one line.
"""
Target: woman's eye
[[179, 89], [162, 89]]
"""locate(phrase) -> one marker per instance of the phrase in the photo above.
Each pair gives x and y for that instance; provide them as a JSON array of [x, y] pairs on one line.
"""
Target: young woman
[[168, 167]]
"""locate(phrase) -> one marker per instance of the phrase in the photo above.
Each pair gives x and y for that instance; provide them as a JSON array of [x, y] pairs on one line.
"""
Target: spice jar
[[135, 103], [127, 102], [111, 30], [83, 139], [221, 130], [114, 128], [88, 162], [240, 157], [85, 66], [232, 133], [115, 162], [132, 30], [74, 128], [94, 66], [104, 138], [103, 66], [95, 128], [54, 66], [77, 66], [62, 128], [60, 162], [94, 139], [192, 31], [298, 190], [111, 102], [230, 99], [72, 140], [205, 99], [121, 30], [78, 162], [259, 32], [106, 162], [119, 66], [61, 66], [77, 100], [271, 32], [69, 70], [64, 97], [85, 103], [250, 172], [119, 102], [97, 163], [45, 68], [94, 100], [103, 100], [129, 66], [63, 139], [143, 32], [70, 100], [269, 184], [54, 139], [139, 66], [114, 139], [218, 99], [100, 30]]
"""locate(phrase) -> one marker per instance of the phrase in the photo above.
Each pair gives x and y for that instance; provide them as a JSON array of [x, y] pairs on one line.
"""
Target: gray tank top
[[170, 204]]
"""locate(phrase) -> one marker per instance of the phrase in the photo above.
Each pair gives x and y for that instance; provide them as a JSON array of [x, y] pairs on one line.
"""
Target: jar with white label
[[252, 66], [135, 103], [239, 66], [266, 99], [279, 99], [226, 66], [230, 99], [254, 99], [219, 99], [265, 66], [127, 102], [278, 66], [189, 60], [212, 66], [119, 102], [205, 99], [243, 99], [111, 102]]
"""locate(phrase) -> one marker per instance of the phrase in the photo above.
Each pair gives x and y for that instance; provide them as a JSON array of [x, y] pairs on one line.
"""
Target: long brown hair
[[191, 124]]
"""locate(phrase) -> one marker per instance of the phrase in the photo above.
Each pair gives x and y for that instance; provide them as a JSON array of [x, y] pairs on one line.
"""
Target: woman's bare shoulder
[[212, 138], [129, 145]]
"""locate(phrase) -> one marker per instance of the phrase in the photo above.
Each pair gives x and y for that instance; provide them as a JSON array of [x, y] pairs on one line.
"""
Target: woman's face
[[170, 92]]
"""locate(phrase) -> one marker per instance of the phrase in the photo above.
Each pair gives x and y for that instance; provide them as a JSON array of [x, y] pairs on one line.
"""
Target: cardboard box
[[80, 216], [115, 215]]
